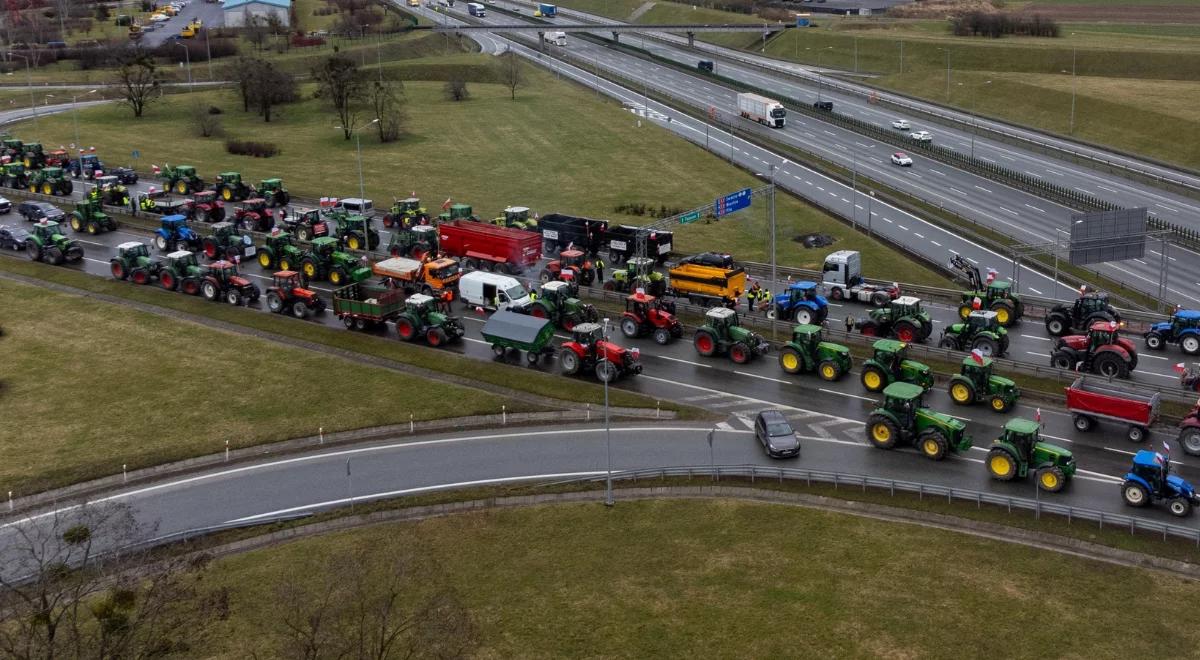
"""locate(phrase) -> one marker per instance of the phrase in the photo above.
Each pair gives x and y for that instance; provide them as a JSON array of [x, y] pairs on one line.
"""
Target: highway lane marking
[[1055, 437], [1009, 211], [705, 397], [901, 226], [937, 172], [936, 243], [959, 191], [916, 175], [1030, 206], [1035, 291], [1045, 355], [747, 398], [347, 452], [1166, 207], [918, 235], [1107, 188], [694, 364], [983, 189], [1161, 254], [887, 221], [776, 380], [1086, 192], [1033, 174], [853, 396], [1054, 172]]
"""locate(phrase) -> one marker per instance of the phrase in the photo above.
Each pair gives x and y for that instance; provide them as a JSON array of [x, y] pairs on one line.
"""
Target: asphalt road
[[1023, 216], [210, 13]]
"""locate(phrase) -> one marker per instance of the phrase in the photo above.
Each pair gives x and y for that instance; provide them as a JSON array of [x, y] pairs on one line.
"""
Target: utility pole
[[774, 273], [1072, 129], [608, 490]]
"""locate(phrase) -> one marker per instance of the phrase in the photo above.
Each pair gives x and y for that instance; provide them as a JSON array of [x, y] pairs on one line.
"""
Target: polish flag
[[1180, 368], [156, 170], [446, 204], [991, 275], [1038, 416], [977, 355], [976, 304]]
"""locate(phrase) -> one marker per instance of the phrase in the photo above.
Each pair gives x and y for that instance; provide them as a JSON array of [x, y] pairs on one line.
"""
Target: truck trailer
[[476, 9], [561, 231], [625, 242], [707, 286], [546, 11], [761, 109], [503, 249]]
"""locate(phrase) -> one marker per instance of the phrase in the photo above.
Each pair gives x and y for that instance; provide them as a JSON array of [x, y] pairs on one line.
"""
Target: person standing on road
[[849, 324], [599, 270]]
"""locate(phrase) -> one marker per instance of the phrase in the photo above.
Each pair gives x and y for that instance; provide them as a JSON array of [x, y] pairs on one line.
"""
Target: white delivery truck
[[555, 38], [476, 9], [492, 291], [842, 280], [761, 109]]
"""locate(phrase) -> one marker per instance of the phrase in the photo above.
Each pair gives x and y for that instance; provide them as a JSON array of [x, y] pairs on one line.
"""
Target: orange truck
[[431, 277]]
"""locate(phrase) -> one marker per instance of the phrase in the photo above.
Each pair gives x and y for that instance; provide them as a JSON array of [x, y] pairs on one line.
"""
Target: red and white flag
[[1167, 451], [156, 170], [1038, 415], [1180, 368], [977, 355], [446, 204], [976, 304], [991, 275], [414, 194]]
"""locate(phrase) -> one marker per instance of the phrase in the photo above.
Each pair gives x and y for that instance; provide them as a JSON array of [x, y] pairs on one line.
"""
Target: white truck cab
[[842, 279]]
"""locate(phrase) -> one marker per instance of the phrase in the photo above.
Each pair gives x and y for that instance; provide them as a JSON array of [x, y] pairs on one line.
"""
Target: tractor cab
[[411, 206], [325, 246], [906, 306], [257, 204], [89, 164], [515, 216], [226, 232], [1103, 334], [1154, 468], [640, 304], [571, 259], [891, 354], [204, 197], [556, 292], [639, 266], [223, 271], [270, 186], [458, 212], [277, 242], [13, 147], [1022, 434], [14, 169], [108, 181], [978, 372], [287, 280], [225, 178], [47, 230], [983, 321], [1091, 303], [181, 260], [419, 303], [185, 171], [1000, 290], [132, 250], [903, 400], [722, 319], [58, 157], [174, 224], [1184, 319], [424, 234], [807, 337], [801, 291], [587, 334]]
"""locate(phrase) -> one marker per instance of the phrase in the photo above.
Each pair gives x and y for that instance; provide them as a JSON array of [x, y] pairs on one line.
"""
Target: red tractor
[[254, 214], [222, 280], [647, 314], [588, 349], [206, 207], [1101, 351], [287, 294], [571, 266]]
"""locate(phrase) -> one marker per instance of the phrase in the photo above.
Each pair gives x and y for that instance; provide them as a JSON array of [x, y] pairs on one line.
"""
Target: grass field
[[649, 579], [670, 12], [105, 385], [556, 148]]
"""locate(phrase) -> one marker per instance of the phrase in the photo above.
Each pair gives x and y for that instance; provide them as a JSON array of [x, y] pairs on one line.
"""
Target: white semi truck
[[761, 109], [555, 38], [842, 279]]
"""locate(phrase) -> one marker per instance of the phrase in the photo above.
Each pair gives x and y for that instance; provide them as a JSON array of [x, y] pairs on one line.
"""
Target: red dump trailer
[[482, 246], [1091, 400]]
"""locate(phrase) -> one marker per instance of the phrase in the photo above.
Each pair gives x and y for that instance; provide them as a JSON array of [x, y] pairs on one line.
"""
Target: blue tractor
[[1182, 329], [175, 234], [1150, 480], [800, 303]]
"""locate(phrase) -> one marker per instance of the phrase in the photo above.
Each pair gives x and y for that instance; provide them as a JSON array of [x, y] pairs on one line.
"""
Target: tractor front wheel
[[882, 432], [1135, 494], [704, 343], [962, 392], [303, 233], [933, 444], [1155, 341], [949, 342], [93, 228], [829, 370], [1062, 360], [1190, 439], [790, 360], [300, 309], [190, 286], [1179, 506], [606, 372], [1000, 404], [274, 302], [568, 361], [337, 276], [804, 316], [53, 256], [1001, 465], [873, 378], [662, 336], [233, 297], [435, 337], [740, 353], [1051, 479]]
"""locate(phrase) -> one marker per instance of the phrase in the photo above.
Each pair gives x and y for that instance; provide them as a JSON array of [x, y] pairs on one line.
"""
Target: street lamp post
[[608, 489], [947, 73], [774, 274], [29, 82], [75, 120], [974, 113], [870, 198], [1072, 128], [820, 79], [712, 461], [362, 190], [188, 54]]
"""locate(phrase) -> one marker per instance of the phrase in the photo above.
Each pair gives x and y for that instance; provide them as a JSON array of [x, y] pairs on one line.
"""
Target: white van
[[492, 291]]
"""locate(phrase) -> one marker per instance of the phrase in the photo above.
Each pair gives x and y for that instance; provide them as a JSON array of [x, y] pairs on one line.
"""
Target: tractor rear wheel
[[986, 345], [1051, 479], [630, 328], [705, 343], [47, 188], [962, 392], [309, 268], [740, 353], [545, 276], [662, 336], [1135, 494], [53, 255], [882, 432], [1110, 365], [568, 361], [869, 328], [829, 370], [1000, 404], [274, 302], [1179, 506], [405, 328], [606, 372], [948, 341], [353, 241], [790, 360], [118, 270], [210, 290], [181, 187], [210, 247], [1001, 464], [139, 276], [1190, 344], [933, 444], [303, 233], [233, 253], [873, 378], [300, 309]]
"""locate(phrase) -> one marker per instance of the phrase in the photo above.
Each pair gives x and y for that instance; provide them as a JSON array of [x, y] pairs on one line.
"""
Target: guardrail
[[877, 95], [1038, 506]]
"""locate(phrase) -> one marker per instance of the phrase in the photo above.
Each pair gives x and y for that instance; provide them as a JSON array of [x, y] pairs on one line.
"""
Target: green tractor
[[458, 212], [228, 243], [182, 179], [13, 148], [230, 187], [349, 230], [976, 383], [14, 176], [1020, 449], [47, 243], [109, 190], [280, 253], [638, 273], [34, 157], [890, 364], [416, 241], [996, 295], [88, 215], [722, 332], [421, 318], [556, 302], [903, 416], [181, 271], [273, 191], [980, 331], [516, 216], [325, 261], [903, 319], [806, 352], [49, 181], [406, 213], [133, 262]]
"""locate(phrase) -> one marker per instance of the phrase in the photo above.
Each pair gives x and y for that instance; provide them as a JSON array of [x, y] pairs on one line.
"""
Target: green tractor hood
[[1001, 384], [1044, 452], [916, 373], [955, 430]]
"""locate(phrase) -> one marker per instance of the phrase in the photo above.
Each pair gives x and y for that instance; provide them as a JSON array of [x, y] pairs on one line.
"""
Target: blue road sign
[[137, 154], [731, 202]]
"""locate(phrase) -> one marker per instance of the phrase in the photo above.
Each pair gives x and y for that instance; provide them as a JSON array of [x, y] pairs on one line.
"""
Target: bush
[[214, 110], [996, 25], [455, 89], [301, 41], [251, 148]]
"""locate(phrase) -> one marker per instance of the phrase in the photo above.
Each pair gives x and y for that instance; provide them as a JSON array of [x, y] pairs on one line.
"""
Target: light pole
[[947, 73], [188, 54], [75, 119], [362, 191], [608, 491], [870, 198], [974, 113], [774, 274], [712, 461], [1071, 130], [856, 53], [820, 80], [29, 82]]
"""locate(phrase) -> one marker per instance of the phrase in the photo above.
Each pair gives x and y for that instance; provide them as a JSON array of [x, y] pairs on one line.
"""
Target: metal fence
[[839, 479]]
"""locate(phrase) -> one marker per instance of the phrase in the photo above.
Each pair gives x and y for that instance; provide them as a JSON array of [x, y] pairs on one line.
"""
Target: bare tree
[[341, 83], [510, 73], [275, 25], [455, 88], [271, 87], [387, 104], [138, 81], [204, 122], [256, 31], [241, 72]]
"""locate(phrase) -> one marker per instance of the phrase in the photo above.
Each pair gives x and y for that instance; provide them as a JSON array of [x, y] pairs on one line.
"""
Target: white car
[[900, 158], [900, 124], [921, 136]]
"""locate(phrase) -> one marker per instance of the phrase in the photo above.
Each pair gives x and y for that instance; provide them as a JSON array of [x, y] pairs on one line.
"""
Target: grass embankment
[[88, 386], [647, 579], [557, 147]]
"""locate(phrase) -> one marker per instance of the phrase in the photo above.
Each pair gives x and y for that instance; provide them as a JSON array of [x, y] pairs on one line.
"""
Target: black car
[[776, 435], [5, 205], [12, 237], [714, 259], [124, 174], [38, 211]]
